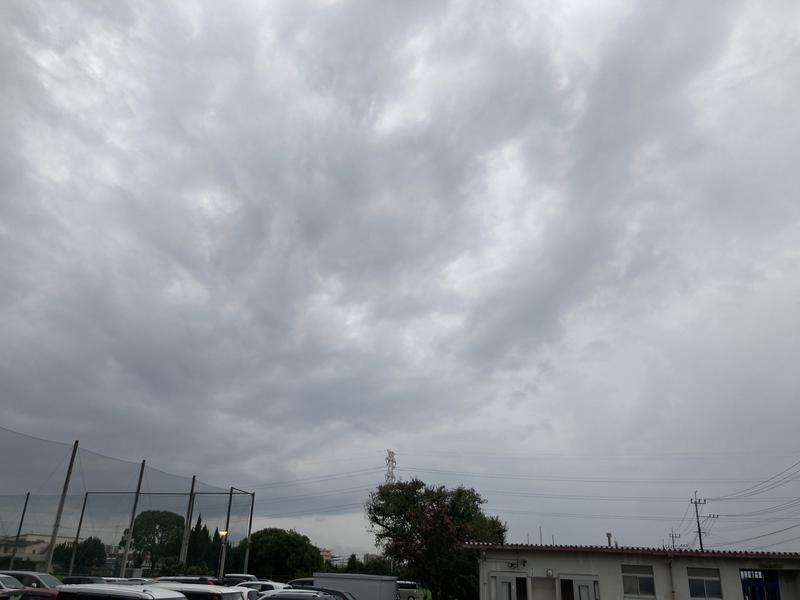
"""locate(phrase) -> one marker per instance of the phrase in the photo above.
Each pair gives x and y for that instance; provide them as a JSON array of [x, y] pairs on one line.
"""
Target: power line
[[766, 485], [316, 478], [758, 537], [574, 479]]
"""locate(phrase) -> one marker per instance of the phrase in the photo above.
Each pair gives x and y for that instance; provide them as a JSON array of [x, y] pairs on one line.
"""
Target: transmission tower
[[391, 463]]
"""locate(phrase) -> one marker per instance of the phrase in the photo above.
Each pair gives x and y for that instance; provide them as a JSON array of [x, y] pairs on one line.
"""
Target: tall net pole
[[49, 566]]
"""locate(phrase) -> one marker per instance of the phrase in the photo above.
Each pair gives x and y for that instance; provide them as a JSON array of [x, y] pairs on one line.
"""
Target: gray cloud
[[240, 242]]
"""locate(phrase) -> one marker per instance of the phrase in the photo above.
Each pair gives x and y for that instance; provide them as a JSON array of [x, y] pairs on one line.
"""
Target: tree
[[157, 534], [281, 554], [425, 527], [198, 552], [354, 565], [90, 553]]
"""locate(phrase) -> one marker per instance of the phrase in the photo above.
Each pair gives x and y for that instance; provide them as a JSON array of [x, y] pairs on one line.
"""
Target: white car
[[309, 593], [107, 591], [264, 585], [202, 591]]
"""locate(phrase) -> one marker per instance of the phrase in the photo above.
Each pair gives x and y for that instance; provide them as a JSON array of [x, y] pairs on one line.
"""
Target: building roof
[[680, 552]]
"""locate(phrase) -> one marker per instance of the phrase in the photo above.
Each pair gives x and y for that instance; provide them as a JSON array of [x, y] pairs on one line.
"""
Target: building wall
[[607, 570]]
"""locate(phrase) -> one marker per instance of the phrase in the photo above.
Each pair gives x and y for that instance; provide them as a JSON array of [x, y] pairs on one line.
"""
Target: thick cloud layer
[[264, 243]]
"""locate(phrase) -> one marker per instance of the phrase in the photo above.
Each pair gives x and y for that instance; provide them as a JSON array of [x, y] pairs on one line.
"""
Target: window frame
[[637, 573], [704, 575]]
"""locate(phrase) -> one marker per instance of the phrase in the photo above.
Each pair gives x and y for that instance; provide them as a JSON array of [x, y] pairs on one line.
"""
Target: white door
[[584, 589], [506, 588]]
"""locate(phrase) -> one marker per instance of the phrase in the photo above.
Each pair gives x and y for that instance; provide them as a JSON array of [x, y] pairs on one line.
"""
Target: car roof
[[299, 591], [293, 593], [192, 587], [131, 591], [15, 572]]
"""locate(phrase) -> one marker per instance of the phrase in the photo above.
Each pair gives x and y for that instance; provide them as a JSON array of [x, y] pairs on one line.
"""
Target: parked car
[[299, 590], [293, 594], [199, 591], [265, 585], [202, 579], [302, 581], [38, 594], [9, 582], [108, 591], [34, 579], [337, 594], [407, 590], [69, 579], [246, 592], [239, 577]]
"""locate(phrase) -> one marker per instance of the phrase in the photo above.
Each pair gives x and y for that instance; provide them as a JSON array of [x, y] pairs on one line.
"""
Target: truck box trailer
[[363, 587]]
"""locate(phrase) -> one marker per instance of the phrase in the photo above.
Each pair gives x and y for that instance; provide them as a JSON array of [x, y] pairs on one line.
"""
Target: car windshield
[[7, 581], [49, 580], [350, 596]]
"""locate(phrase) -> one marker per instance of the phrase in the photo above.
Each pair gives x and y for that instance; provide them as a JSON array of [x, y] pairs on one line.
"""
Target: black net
[[103, 489]]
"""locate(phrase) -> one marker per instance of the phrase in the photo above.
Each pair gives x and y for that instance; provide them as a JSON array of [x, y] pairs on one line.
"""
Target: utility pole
[[130, 527], [391, 463], [49, 566], [540, 535], [77, 535], [697, 503], [187, 526], [673, 536], [19, 531], [224, 537]]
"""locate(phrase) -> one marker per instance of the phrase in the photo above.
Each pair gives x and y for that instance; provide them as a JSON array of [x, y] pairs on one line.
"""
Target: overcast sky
[[261, 242]]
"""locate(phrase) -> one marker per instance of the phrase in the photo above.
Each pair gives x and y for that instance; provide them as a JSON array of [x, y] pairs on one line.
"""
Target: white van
[[407, 590]]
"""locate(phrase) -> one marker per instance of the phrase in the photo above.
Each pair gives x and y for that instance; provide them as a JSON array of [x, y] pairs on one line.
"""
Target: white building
[[531, 572], [31, 546]]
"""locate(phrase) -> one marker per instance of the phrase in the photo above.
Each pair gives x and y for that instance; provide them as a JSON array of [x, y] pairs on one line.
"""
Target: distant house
[[32, 547], [531, 572]]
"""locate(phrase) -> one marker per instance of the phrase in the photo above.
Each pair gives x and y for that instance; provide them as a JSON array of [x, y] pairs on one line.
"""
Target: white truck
[[363, 587]]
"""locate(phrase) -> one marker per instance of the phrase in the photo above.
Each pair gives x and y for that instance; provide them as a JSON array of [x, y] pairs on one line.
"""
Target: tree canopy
[[425, 527], [281, 554], [157, 534], [91, 553]]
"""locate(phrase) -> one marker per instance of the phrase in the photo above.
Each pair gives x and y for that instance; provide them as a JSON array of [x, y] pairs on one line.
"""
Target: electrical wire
[[574, 479], [766, 485]]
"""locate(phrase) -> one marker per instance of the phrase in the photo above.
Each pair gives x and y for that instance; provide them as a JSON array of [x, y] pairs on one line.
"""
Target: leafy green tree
[[425, 527], [171, 566], [62, 555], [157, 534], [281, 554], [91, 554]]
